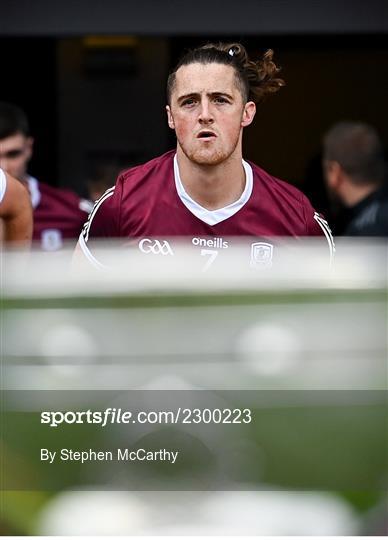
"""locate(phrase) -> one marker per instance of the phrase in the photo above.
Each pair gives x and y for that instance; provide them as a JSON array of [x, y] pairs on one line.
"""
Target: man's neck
[[355, 195], [212, 186]]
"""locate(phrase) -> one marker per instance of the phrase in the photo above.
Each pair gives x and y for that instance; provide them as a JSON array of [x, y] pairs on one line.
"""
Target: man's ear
[[248, 114], [170, 119], [333, 173]]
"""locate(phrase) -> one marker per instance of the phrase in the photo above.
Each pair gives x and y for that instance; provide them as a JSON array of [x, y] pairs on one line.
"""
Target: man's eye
[[188, 102], [220, 100]]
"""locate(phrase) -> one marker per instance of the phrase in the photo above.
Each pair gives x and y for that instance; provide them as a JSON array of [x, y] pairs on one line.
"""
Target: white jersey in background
[[3, 184]]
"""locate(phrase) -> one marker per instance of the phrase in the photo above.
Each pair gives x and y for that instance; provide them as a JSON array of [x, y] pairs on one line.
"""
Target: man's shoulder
[[153, 168], [370, 218], [278, 187], [290, 206], [115, 210], [61, 197]]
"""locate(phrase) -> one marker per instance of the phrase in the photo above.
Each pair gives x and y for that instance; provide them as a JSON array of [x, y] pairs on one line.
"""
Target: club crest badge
[[261, 255]]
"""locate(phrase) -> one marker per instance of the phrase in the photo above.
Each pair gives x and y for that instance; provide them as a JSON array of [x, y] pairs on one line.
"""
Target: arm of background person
[[16, 214]]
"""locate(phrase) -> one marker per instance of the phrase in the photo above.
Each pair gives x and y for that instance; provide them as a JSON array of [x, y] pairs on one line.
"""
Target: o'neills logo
[[210, 242]]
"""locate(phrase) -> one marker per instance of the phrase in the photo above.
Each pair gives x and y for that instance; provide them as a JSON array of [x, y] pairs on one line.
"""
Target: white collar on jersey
[[212, 217], [33, 188]]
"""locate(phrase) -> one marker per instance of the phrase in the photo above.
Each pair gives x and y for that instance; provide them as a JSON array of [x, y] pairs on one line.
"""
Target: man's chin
[[19, 175], [204, 159]]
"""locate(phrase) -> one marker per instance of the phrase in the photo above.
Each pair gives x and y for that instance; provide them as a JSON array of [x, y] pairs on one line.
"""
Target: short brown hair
[[357, 148], [13, 120]]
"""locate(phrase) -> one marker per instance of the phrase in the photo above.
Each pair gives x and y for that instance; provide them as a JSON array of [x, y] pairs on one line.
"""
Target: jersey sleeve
[[103, 221], [316, 225]]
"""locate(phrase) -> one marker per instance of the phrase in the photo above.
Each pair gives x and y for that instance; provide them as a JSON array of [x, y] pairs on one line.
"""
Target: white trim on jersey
[[3, 184], [86, 251], [212, 217], [33, 188], [327, 232], [85, 231]]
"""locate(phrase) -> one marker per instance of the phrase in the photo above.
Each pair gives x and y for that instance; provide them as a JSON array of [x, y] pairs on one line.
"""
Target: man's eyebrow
[[197, 94], [185, 96], [222, 94]]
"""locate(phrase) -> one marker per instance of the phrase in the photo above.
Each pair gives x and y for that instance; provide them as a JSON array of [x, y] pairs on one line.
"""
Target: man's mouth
[[206, 134]]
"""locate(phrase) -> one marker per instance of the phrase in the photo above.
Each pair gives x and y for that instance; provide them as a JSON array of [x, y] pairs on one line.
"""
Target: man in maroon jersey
[[204, 190], [58, 214]]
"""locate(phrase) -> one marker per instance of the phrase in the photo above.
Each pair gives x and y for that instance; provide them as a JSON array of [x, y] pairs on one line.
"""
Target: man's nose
[[206, 115]]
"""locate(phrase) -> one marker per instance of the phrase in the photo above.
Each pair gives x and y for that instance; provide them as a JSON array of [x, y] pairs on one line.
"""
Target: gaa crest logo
[[261, 255], [155, 247]]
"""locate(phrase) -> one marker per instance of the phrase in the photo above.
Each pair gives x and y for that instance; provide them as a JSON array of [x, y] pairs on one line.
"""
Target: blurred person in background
[[355, 169], [15, 212], [102, 176], [58, 214], [204, 189]]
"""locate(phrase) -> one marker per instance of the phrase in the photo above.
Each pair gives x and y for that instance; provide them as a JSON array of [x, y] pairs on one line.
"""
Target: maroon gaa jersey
[[58, 214], [149, 207]]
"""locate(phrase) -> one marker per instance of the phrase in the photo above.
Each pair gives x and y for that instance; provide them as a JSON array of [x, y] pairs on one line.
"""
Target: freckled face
[[208, 113]]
